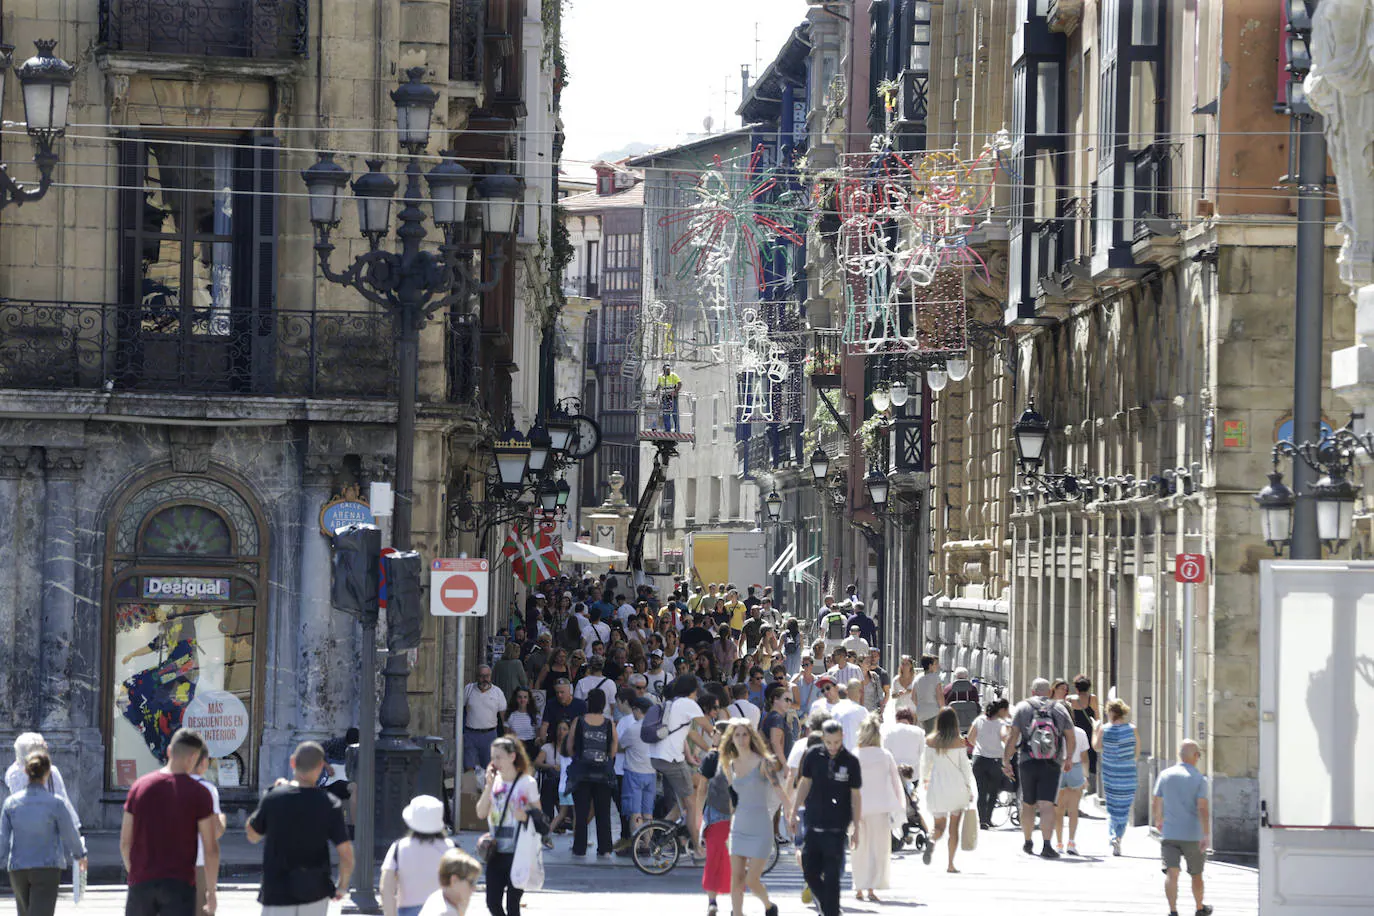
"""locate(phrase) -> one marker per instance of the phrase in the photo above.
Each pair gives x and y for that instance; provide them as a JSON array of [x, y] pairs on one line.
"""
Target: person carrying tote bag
[[527, 871], [948, 780]]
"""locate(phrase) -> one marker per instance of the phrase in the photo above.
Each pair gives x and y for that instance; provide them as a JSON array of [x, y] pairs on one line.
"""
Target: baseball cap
[[825, 680], [658, 652], [539, 594]]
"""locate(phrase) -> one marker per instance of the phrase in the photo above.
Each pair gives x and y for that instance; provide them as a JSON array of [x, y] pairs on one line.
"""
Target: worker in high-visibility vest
[[669, 386]]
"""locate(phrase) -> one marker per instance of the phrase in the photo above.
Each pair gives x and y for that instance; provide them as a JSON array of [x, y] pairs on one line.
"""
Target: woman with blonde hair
[[948, 778], [881, 791], [458, 874], [757, 779], [1115, 742]]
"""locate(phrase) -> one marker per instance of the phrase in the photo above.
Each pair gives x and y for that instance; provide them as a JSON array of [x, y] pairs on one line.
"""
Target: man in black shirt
[[696, 635], [829, 787], [563, 709], [299, 821]]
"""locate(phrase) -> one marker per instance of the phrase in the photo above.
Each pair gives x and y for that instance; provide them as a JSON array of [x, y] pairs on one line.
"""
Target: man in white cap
[[657, 675], [412, 861]]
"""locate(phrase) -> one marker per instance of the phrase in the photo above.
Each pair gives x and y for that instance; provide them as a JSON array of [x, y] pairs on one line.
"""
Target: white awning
[[798, 572], [577, 552], [788, 556]]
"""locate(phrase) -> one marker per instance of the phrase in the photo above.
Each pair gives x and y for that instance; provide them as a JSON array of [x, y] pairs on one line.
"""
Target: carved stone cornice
[[14, 460], [190, 448], [64, 463]]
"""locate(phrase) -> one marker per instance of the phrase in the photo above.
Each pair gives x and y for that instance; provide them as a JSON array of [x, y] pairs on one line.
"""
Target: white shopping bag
[[527, 871]]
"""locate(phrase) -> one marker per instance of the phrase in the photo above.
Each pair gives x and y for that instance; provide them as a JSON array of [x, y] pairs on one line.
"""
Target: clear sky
[[653, 70]]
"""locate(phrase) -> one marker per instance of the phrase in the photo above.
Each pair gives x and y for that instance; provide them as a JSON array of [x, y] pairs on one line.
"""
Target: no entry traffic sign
[[458, 588], [1190, 567]]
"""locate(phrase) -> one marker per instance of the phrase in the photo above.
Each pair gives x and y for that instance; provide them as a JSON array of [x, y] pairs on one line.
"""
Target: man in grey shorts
[[669, 755], [1180, 813], [299, 821]]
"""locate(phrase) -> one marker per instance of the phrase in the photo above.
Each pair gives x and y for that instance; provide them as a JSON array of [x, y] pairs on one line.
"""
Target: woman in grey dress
[[756, 778]]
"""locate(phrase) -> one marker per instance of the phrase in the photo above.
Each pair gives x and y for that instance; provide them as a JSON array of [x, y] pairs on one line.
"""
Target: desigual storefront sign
[[185, 588]]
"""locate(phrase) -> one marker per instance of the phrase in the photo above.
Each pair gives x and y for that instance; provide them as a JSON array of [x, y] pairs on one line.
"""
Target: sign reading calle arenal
[[338, 513]]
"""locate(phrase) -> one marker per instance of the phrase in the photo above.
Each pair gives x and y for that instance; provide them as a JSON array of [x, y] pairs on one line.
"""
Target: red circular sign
[[1190, 567], [459, 593]]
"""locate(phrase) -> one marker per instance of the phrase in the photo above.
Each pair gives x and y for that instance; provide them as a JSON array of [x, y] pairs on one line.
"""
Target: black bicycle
[[659, 845]]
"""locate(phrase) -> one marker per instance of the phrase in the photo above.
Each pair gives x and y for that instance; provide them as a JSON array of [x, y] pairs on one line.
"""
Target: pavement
[[997, 877]]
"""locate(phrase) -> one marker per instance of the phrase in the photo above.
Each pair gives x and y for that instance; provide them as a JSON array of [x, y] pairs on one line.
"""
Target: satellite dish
[[708, 122]]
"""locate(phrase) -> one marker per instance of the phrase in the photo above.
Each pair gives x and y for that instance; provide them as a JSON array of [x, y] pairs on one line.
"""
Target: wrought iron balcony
[[256, 29], [148, 349], [1151, 195]]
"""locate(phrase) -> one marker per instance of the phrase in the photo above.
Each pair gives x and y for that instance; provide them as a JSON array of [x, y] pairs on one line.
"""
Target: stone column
[[325, 696], [14, 463], [58, 685]]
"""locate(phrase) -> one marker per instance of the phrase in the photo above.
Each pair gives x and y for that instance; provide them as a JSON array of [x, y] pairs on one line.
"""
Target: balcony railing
[[466, 21], [108, 347], [585, 287], [259, 29], [1150, 191]]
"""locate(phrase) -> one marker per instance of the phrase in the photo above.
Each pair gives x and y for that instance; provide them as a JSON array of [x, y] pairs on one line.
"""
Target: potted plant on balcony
[[823, 369]]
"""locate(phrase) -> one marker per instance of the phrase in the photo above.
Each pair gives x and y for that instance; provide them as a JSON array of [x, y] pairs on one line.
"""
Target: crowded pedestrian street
[[728, 457]]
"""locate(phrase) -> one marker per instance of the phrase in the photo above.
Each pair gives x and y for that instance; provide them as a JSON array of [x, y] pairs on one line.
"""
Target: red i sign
[[1190, 567]]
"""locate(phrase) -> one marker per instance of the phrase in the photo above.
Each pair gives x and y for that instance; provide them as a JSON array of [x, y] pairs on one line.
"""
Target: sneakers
[[1116, 845], [1048, 852], [1028, 847], [548, 842], [623, 844], [1059, 848], [928, 852], [1205, 910], [806, 894], [1073, 849]]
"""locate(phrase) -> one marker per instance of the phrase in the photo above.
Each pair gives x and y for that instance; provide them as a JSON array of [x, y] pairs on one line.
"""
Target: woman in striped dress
[[1115, 743]]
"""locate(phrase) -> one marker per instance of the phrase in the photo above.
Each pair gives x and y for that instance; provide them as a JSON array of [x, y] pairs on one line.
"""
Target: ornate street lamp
[[1031, 432], [1335, 496], [512, 458], [46, 83], [937, 379], [414, 108], [501, 195], [560, 427], [877, 485], [548, 496], [1276, 512], [957, 367], [773, 503], [820, 464], [374, 191], [449, 184], [541, 444], [326, 180], [881, 397], [564, 492]]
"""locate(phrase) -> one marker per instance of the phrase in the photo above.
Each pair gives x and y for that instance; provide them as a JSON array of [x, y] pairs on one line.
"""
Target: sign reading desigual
[[221, 719], [185, 588]]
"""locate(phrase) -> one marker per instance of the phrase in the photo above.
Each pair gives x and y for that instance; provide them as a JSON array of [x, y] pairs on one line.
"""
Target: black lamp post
[[413, 284], [1031, 433], [773, 504], [1333, 495], [46, 82]]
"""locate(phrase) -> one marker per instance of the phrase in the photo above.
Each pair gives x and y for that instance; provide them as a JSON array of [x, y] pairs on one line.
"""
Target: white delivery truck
[[730, 557]]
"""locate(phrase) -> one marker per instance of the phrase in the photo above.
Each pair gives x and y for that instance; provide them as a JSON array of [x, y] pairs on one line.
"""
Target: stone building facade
[[1148, 310], [182, 396]]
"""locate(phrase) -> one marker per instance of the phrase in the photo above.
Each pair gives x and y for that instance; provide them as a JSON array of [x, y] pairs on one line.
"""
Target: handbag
[[486, 843], [968, 830]]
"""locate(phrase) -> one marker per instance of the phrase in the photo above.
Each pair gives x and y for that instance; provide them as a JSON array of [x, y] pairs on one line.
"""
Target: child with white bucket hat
[[410, 872]]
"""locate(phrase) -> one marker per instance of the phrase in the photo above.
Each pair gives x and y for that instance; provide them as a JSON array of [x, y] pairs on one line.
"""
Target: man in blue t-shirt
[[1181, 814]]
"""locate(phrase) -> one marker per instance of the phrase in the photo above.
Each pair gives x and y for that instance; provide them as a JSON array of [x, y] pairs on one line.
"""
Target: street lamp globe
[[899, 393], [564, 492], [820, 464], [1335, 498], [876, 482], [882, 398], [374, 190], [937, 379], [773, 503], [414, 107], [325, 180], [548, 497], [540, 445], [501, 195], [1031, 433], [957, 368], [512, 458], [560, 429], [1276, 511], [449, 183], [47, 85]]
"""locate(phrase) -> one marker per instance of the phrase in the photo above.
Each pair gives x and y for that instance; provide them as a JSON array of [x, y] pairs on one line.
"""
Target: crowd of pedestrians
[[606, 710]]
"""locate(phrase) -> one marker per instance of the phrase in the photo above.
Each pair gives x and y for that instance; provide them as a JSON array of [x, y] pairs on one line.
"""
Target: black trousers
[[35, 890], [987, 771], [161, 897], [822, 865], [586, 796], [499, 886]]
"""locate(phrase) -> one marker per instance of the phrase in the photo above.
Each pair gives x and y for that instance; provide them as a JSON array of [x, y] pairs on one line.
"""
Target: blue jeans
[[477, 748], [637, 792], [409, 910], [670, 419]]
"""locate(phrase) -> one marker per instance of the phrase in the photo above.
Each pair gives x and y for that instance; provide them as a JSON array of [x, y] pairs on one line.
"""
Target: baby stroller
[[913, 829]]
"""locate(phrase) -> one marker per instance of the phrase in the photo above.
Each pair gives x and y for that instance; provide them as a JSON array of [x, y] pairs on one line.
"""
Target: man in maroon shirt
[[163, 815]]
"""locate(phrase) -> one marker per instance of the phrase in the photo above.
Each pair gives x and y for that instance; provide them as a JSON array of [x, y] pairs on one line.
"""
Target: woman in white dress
[[948, 780], [881, 792]]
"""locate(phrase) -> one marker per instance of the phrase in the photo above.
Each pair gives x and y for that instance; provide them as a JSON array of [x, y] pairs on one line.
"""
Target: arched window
[[186, 564]]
